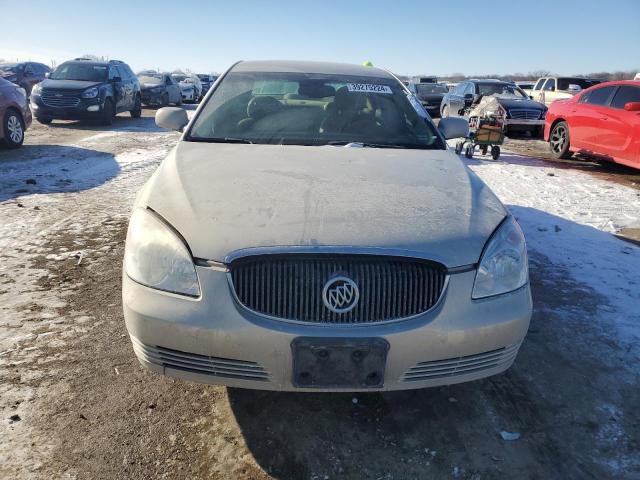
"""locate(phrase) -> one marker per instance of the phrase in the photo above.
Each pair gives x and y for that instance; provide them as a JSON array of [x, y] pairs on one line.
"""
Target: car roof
[[613, 83], [327, 68]]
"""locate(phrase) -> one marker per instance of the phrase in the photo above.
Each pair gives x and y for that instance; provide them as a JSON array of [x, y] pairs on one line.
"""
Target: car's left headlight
[[37, 88], [157, 257], [90, 93], [504, 265]]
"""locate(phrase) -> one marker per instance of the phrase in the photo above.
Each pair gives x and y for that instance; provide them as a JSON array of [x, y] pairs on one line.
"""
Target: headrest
[[260, 107], [316, 90]]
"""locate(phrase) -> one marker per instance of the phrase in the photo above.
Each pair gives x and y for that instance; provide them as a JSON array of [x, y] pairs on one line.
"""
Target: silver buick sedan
[[312, 231]]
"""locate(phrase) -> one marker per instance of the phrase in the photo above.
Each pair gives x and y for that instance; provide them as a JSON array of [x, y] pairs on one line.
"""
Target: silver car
[[312, 231]]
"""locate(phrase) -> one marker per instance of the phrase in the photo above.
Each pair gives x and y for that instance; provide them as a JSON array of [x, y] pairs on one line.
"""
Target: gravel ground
[[76, 404]]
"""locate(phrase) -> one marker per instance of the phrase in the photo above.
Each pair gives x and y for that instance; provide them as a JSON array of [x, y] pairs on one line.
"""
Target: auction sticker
[[368, 88]]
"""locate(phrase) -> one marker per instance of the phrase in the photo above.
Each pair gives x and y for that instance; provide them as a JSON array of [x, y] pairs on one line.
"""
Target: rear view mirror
[[453, 127], [632, 106], [171, 118], [46, 75], [574, 88]]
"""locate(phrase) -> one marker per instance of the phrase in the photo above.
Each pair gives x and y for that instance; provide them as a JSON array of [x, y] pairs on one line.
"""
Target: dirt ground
[[75, 402]]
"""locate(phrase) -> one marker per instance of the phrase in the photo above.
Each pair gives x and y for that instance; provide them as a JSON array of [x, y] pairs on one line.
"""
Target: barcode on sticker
[[368, 88]]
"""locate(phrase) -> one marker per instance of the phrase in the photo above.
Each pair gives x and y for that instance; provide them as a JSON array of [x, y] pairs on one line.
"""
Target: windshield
[[10, 67], [503, 89], [314, 109], [153, 79], [80, 71], [427, 88], [203, 77], [563, 83], [178, 78]]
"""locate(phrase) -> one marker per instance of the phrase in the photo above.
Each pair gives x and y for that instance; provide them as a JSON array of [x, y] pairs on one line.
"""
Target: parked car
[[190, 85], [549, 89], [159, 89], [14, 114], [327, 242], [86, 89], [521, 114], [207, 82], [24, 74], [430, 95], [602, 122]]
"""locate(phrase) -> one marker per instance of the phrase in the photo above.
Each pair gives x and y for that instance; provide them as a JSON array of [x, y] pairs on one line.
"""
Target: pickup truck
[[548, 89]]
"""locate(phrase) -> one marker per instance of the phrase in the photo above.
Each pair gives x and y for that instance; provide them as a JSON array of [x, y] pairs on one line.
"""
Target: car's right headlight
[[157, 257], [504, 265], [90, 93]]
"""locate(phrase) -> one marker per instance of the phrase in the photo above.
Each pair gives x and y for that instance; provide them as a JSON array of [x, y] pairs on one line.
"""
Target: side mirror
[[116, 79], [632, 106], [453, 127], [46, 75], [172, 118]]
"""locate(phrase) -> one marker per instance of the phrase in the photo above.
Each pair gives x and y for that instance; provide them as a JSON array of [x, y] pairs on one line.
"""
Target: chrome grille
[[525, 114], [56, 97], [290, 286], [202, 364], [453, 367]]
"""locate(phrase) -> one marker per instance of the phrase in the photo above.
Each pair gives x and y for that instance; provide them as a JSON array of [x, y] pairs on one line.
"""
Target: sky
[[409, 37]]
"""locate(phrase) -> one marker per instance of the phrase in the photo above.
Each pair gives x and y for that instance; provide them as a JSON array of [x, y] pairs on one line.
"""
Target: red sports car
[[602, 121]]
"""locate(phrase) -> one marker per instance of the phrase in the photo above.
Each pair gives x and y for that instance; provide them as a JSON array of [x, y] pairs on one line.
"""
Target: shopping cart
[[487, 132]]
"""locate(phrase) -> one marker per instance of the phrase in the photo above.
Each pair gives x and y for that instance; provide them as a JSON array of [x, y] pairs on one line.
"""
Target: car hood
[[226, 197], [149, 86], [68, 84], [509, 103]]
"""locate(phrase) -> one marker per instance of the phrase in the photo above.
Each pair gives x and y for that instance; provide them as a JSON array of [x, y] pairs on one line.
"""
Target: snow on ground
[[569, 216], [72, 188]]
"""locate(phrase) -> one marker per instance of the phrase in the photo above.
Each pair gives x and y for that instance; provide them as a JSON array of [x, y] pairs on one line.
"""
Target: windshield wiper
[[220, 140], [374, 145]]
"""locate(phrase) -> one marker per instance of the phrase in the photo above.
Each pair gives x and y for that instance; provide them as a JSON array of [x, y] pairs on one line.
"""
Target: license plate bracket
[[321, 362]]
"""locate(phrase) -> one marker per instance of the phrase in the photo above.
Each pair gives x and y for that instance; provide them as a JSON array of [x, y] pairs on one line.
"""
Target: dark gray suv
[[86, 89]]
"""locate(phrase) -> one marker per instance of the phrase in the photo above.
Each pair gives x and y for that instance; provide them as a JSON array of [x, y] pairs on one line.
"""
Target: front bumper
[[188, 94], [517, 123], [214, 340], [86, 108]]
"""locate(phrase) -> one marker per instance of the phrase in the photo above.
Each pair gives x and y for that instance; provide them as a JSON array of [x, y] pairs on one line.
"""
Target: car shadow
[[121, 123], [554, 403], [34, 169]]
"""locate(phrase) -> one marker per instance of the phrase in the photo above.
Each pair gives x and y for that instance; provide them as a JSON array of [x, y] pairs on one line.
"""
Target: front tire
[[137, 108], [44, 120], [108, 113], [13, 129], [559, 141]]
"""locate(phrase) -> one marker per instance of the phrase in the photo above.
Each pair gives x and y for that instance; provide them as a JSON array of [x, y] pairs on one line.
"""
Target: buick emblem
[[340, 294]]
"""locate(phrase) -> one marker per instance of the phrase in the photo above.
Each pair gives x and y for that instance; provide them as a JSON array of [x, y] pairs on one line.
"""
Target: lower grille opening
[[201, 364], [452, 367]]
